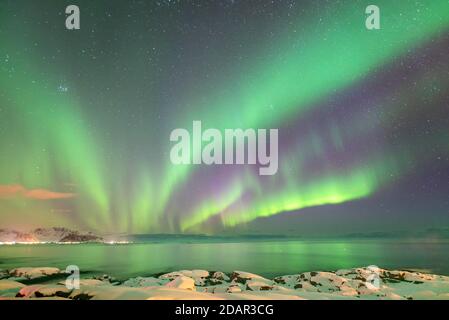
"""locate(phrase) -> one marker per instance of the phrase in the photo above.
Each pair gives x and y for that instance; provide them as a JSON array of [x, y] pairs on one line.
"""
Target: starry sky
[[86, 115]]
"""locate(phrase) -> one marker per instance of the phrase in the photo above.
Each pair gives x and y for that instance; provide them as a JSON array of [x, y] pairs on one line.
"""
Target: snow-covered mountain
[[55, 234], [7, 235]]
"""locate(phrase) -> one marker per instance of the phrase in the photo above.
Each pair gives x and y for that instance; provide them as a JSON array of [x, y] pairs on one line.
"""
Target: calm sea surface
[[267, 258]]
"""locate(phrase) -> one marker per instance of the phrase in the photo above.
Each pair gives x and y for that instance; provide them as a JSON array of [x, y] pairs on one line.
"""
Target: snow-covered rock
[[182, 282], [144, 282], [242, 277], [9, 288], [40, 291], [107, 279], [199, 276], [186, 273], [218, 275], [234, 288], [4, 274], [33, 273]]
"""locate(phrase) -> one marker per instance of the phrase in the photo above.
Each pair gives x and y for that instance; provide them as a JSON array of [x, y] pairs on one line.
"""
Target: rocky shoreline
[[357, 283]]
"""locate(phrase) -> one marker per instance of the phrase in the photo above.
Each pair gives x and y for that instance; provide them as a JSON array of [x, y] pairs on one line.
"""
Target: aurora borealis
[[86, 115]]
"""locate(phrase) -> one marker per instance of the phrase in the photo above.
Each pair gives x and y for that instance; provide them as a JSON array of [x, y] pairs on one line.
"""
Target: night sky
[[86, 115]]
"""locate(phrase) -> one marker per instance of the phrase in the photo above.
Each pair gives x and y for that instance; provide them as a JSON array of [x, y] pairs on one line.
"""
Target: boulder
[[221, 276], [242, 277], [9, 288], [182, 282], [40, 291], [144, 282], [33, 273]]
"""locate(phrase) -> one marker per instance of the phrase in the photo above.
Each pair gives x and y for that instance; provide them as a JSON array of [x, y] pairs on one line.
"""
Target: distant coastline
[[61, 235]]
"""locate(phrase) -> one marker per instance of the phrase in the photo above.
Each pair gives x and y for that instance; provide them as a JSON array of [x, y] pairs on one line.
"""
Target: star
[[62, 88]]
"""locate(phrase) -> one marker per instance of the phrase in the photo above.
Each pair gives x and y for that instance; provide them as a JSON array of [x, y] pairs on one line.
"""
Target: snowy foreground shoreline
[[357, 283]]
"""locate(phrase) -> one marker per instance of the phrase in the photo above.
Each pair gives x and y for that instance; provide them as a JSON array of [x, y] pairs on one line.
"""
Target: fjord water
[[268, 258]]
